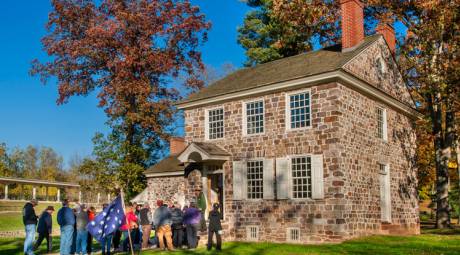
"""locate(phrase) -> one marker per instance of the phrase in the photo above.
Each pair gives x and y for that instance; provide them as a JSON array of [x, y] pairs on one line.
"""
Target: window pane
[[300, 110], [216, 123], [255, 179], [301, 177], [254, 117]]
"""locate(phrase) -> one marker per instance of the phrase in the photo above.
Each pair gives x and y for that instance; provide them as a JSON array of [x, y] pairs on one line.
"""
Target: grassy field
[[11, 215], [430, 242]]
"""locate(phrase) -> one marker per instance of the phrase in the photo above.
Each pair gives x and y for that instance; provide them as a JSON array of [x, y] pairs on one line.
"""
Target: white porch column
[[108, 198], [6, 191], [34, 193], [79, 196], [98, 197], [204, 183], [58, 199]]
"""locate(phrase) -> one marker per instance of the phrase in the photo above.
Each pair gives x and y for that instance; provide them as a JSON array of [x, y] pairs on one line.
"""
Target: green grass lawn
[[431, 242], [11, 215]]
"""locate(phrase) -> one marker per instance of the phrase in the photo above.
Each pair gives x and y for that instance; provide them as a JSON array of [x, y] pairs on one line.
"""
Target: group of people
[[174, 227], [75, 239]]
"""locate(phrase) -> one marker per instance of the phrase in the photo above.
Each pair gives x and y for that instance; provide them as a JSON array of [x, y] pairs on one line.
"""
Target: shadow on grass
[[381, 245]]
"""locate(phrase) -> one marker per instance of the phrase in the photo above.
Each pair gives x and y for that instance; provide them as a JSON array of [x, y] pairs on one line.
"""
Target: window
[[293, 235], [252, 233], [255, 180], [301, 177], [215, 123], [299, 110], [381, 124], [254, 117]]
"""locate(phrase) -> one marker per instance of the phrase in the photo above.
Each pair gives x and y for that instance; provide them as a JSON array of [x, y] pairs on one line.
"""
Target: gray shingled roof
[[168, 164], [172, 163], [212, 149], [302, 65]]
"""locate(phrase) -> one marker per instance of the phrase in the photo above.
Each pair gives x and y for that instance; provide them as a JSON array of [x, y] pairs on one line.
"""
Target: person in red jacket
[[91, 216], [131, 225]]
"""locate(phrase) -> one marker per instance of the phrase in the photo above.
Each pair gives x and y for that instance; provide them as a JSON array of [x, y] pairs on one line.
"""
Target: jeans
[[105, 244], [192, 238], [82, 241], [30, 237], [178, 233], [66, 239]]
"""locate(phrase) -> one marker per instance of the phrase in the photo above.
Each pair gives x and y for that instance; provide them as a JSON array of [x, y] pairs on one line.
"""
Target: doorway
[[216, 191]]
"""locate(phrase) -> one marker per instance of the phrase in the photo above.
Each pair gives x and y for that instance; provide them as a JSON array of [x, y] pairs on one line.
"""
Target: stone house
[[317, 147]]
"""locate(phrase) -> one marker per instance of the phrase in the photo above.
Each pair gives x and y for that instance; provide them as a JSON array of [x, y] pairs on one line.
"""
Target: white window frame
[[384, 123], [249, 236], [247, 179], [289, 235], [206, 123], [245, 117], [288, 109], [291, 180]]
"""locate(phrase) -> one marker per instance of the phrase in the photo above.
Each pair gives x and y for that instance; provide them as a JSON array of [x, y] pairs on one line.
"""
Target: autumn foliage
[[138, 56]]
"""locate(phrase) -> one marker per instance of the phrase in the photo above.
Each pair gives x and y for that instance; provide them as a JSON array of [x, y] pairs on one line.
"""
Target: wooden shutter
[[317, 177], [239, 180], [385, 195], [269, 175], [385, 125], [283, 177]]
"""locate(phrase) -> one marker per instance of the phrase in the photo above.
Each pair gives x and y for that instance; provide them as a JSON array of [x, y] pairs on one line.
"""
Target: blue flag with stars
[[108, 221]]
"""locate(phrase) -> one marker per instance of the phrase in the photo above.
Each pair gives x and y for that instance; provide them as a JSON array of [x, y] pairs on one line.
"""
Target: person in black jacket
[[29, 218], [177, 217], [44, 228], [215, 227]]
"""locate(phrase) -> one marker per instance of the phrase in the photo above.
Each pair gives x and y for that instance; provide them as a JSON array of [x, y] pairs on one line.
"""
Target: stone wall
[[366, 66], [362, 152], [319, 220], [168, 189]]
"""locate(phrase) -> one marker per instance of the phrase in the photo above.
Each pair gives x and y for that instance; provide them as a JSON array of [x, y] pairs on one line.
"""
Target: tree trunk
[[458, 171], [442, 151]]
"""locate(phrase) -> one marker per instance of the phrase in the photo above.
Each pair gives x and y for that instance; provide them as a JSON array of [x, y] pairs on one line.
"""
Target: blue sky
[[28, 111]]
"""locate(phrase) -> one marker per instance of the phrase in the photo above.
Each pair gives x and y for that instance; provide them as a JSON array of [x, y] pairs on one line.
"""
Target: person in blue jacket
[[66, 220], [44, 228]]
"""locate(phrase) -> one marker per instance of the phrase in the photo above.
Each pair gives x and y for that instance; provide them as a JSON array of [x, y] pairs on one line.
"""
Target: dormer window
[[215, 124]]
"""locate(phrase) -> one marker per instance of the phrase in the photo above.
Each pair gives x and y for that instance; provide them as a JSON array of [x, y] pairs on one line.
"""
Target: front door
[[216, 191]]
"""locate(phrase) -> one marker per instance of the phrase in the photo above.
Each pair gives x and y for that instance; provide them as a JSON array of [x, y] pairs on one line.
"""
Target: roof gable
[[377, 66]]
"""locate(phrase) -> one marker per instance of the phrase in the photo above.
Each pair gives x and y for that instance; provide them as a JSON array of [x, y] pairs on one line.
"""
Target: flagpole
[[127, 223]]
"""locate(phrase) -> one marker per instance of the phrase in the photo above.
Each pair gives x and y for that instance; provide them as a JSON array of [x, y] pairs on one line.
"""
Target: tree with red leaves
[[130, 52]]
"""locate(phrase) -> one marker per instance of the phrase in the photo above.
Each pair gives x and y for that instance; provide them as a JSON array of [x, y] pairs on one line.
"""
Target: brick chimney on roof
[[388, 33], [352, 23], [176, 145]]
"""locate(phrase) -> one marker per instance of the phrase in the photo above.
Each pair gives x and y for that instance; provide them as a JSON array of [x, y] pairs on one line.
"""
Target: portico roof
[[203, 152]]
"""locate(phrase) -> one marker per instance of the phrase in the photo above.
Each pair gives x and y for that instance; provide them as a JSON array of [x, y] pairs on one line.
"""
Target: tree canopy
[[132, 54]]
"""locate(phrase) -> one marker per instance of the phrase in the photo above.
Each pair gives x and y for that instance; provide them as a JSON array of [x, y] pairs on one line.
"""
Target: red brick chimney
[[388, 33], [176, 145], [352, 23]]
